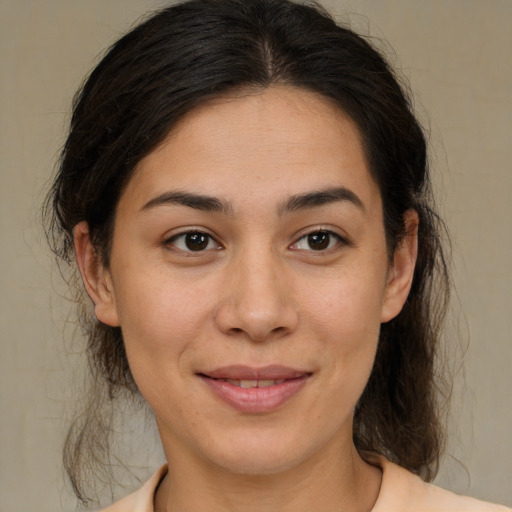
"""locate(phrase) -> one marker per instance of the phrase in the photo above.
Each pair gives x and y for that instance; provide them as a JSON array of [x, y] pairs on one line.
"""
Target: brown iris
[[320, 240], [196, 241]]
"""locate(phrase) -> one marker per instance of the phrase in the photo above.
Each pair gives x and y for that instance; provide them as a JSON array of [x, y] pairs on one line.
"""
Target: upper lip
[[242, 372]]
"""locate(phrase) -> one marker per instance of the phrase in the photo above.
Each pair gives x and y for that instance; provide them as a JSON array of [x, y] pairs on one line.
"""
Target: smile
[[255, 390], [253, 383]]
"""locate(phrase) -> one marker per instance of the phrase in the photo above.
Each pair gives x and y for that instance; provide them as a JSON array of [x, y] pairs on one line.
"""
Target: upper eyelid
[[188, 231], [321, 229], [302, 234], [328, 231], [170, 239]]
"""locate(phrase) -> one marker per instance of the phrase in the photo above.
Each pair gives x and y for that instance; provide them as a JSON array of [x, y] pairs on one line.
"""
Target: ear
[[96, 278], [401, 272]]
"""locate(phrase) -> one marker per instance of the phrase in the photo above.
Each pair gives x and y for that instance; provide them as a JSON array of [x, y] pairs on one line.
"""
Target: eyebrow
[[294, 203], [196, 201], [320, 198]]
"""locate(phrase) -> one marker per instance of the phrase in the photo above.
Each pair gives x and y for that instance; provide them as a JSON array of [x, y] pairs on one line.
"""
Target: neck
[[328, 483]]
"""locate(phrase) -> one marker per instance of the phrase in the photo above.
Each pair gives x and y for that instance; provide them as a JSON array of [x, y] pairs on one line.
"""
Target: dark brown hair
[[190, 53]]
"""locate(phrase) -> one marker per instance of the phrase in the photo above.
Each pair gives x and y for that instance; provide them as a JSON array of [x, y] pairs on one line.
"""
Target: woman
[[246, 193]]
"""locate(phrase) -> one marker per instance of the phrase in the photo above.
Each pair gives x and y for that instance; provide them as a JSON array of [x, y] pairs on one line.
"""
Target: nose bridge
[[257, 298]]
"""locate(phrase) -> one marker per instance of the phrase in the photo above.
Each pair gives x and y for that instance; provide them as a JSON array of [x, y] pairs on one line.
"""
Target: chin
[[256, 463], [260, 454]]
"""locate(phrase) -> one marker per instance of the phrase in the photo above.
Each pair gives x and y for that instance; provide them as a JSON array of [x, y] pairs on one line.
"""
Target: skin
[[258, 294]]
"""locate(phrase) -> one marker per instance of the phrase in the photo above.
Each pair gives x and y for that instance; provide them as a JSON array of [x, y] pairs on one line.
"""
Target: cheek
[[349, 301], [160, 318], [345, 313]]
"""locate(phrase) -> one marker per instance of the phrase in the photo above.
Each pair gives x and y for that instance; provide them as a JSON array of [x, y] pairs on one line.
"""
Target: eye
[[318, 241], [193, 241]]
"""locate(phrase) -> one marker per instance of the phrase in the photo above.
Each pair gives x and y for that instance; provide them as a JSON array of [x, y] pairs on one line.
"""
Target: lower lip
[[256, 400]]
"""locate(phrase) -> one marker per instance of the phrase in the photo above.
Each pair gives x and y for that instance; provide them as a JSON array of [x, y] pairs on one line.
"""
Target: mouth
[[266, 383], [255, 390]]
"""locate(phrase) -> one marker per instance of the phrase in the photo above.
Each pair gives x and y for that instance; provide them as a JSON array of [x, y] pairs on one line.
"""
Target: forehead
[[291, 139]]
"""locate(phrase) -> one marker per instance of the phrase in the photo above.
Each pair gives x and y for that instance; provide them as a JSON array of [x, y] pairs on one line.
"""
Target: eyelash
[[188, 249], [331, 235], [205, 238]]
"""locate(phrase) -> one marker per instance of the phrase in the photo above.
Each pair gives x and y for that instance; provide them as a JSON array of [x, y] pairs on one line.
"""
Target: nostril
[[256, 319]]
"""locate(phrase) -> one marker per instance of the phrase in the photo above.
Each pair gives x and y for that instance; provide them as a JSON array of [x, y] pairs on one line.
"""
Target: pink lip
[[242, 372], [255, 400]]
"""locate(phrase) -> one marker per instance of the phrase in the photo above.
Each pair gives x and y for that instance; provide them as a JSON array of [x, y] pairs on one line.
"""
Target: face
[[249, 273]]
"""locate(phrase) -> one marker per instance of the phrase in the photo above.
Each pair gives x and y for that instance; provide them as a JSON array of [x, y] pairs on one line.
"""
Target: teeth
[[254, 383], [248, 384], [266, 383]]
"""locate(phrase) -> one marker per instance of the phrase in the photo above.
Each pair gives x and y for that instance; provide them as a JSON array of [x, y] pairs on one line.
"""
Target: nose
[[257, 300]]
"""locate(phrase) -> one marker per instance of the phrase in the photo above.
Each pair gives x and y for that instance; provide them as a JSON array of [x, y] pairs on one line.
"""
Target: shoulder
[[141, 500], [402, 491]]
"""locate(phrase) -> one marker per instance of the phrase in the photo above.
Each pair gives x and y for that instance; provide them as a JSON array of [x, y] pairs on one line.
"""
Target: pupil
[[318, 241], [196, 241]]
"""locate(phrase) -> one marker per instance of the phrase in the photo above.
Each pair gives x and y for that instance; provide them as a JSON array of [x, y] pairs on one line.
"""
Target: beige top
[[401, 491]]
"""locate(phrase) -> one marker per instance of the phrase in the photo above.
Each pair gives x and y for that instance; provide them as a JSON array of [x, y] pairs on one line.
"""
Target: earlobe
[[96, 278], [401, 272]]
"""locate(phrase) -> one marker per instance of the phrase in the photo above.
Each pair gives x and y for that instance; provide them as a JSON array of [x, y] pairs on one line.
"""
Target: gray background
[[457, 57]]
